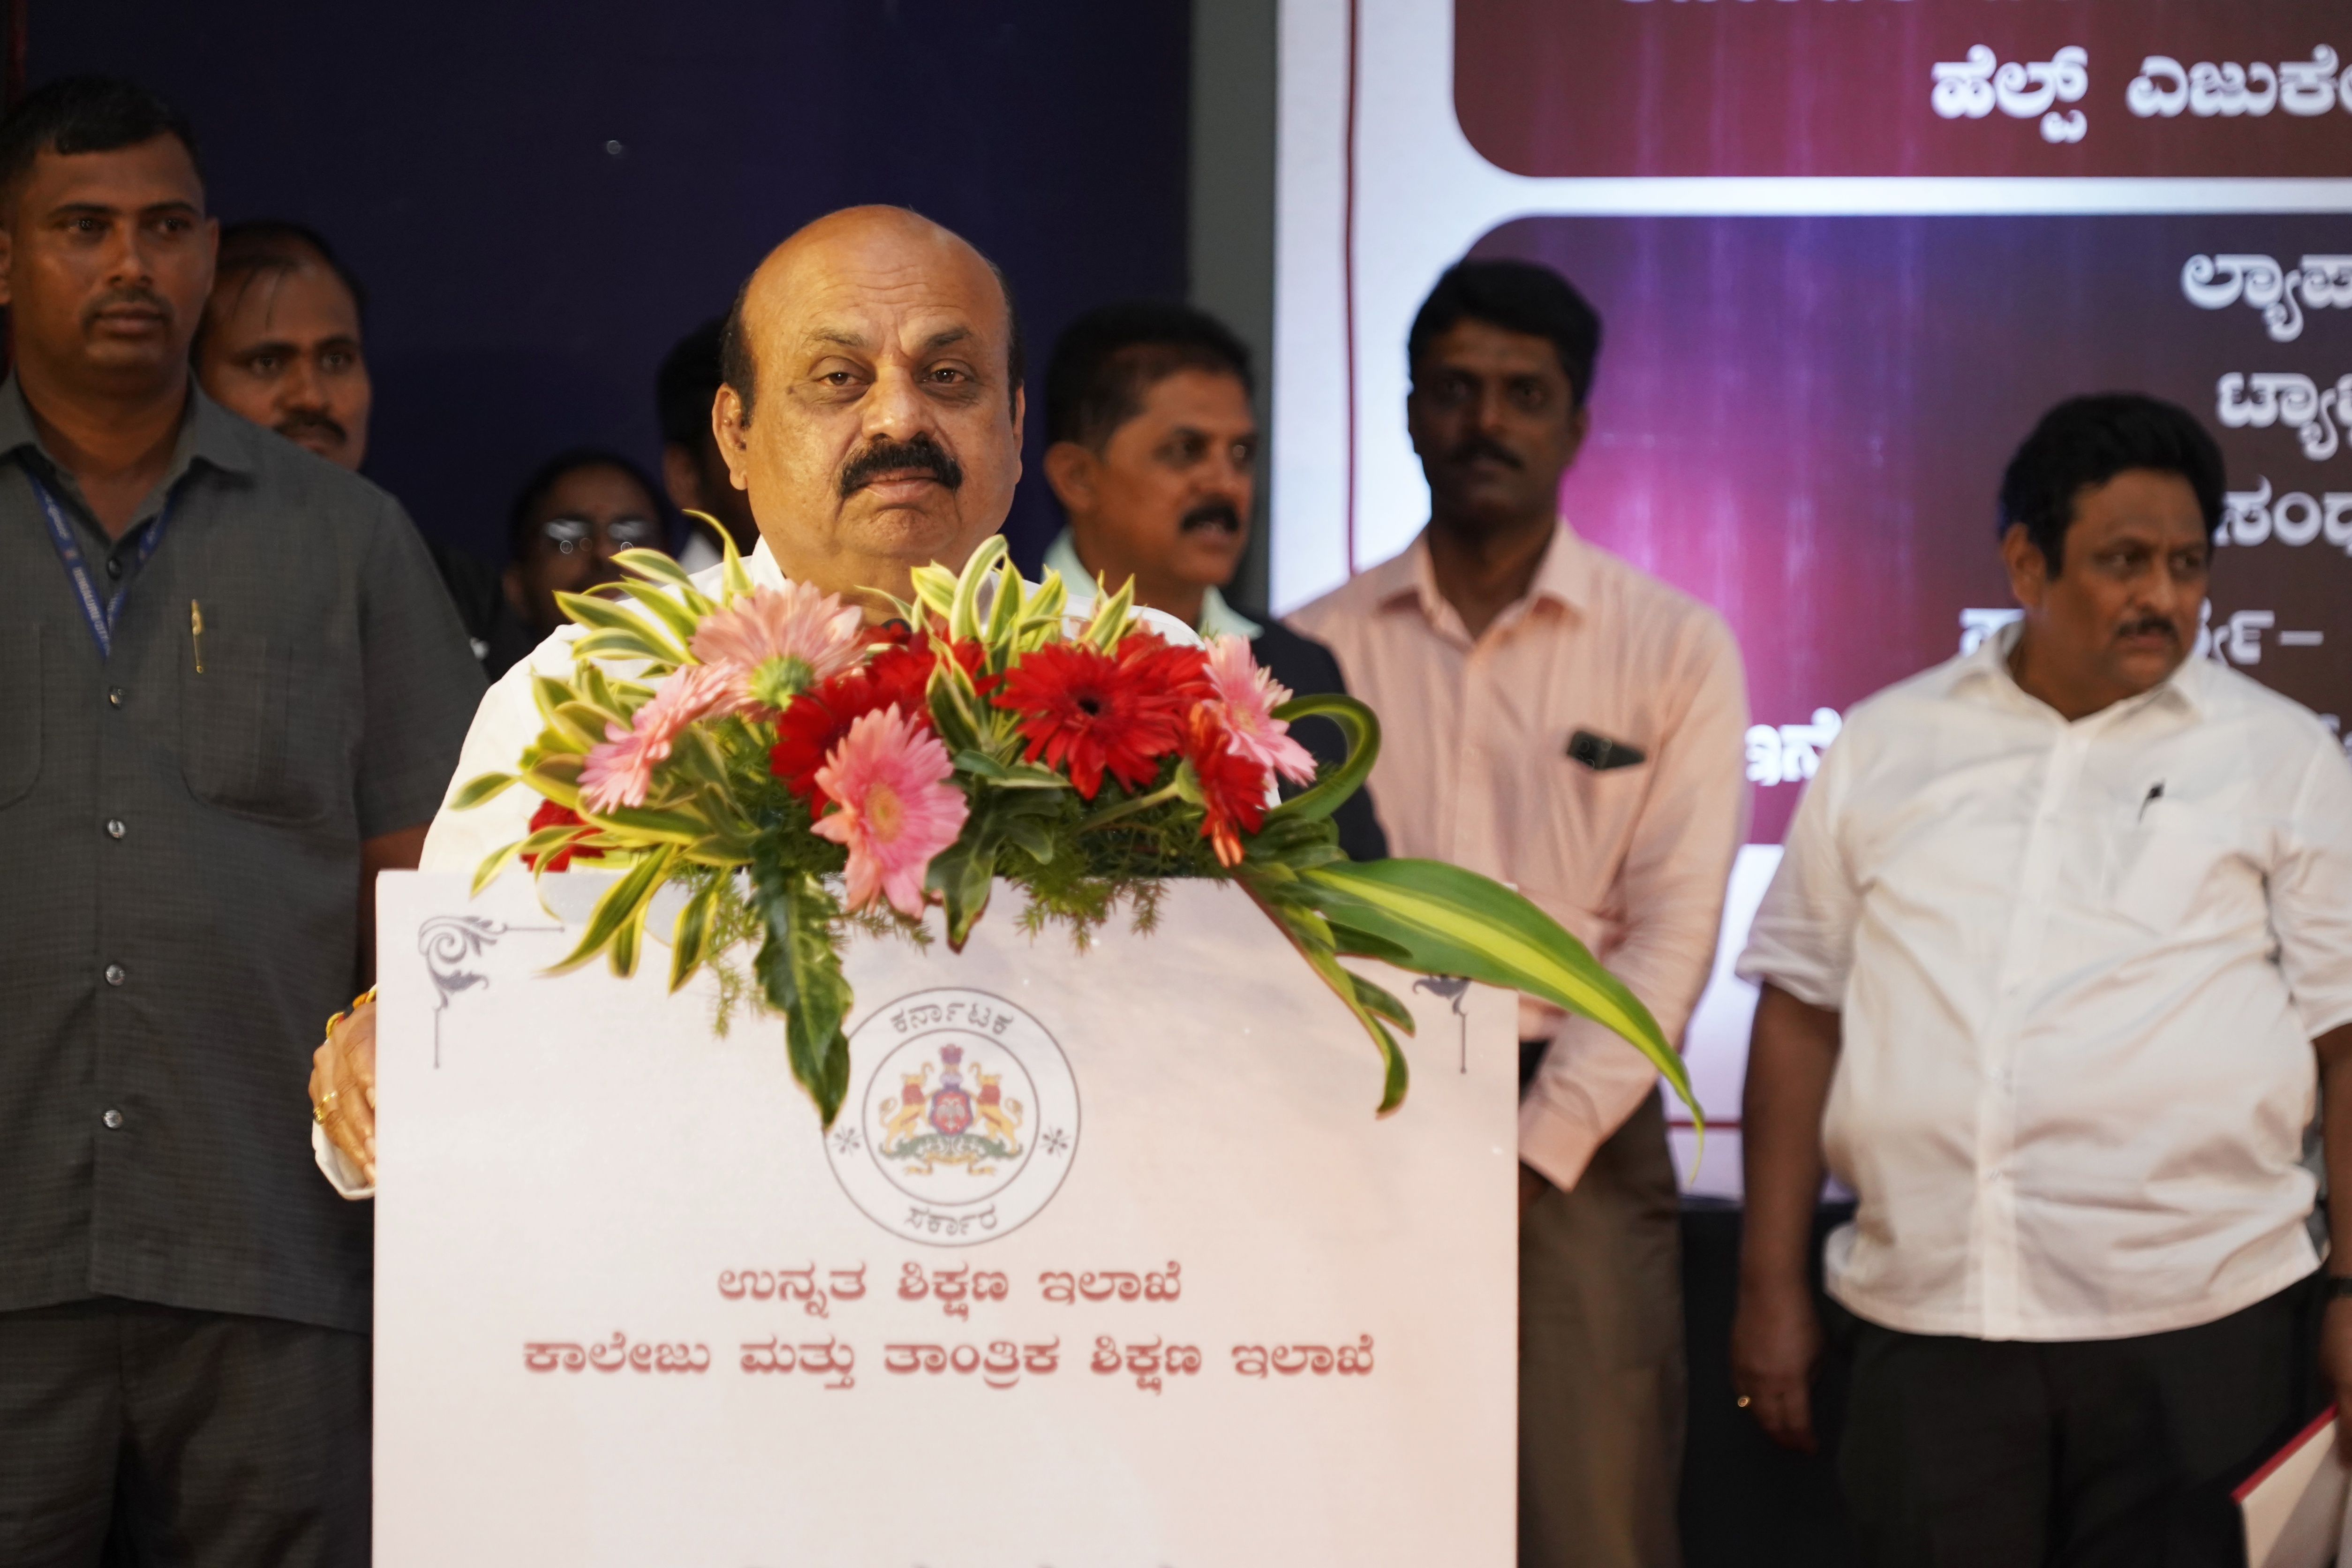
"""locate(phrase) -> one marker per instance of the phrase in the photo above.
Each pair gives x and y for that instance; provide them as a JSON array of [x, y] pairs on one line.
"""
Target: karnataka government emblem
[[962, 1120]]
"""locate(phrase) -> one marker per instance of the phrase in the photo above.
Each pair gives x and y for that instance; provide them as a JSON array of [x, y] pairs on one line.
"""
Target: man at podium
[[871, 411]]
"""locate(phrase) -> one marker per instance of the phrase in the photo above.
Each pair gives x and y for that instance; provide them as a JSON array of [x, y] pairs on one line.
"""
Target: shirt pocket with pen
[[235, 690], [2177, 862]]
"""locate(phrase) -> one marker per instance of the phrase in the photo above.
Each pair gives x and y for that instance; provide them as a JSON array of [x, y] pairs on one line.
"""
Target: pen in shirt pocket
[[197, 633], [2155, 792]]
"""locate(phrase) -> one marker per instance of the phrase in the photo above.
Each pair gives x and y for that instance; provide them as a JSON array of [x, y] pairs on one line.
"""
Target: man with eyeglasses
[[580, 508]]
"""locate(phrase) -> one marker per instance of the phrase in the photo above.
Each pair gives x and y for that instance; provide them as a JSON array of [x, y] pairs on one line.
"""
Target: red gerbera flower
[[817, 720], [1093, 712], [974, 657], [1232, 785], [1179, 670], [551, 815]]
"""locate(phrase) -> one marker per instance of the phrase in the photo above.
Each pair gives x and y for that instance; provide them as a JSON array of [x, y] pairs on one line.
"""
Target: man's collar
[[208, 433], [218, 436], [2186, 686], [1563, 577], [1062, 557], [760, 567], [1217, 617]]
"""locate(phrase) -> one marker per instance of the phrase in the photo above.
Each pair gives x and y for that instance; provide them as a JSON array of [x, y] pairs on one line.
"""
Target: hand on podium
[[342, 1086]]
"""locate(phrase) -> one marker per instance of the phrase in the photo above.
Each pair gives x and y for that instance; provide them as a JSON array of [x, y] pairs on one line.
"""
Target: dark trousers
[[2011, 1454], [1603, 1386], [133, 1433]]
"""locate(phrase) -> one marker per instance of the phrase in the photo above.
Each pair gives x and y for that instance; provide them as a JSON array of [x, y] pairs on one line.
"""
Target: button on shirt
[[184, 856], [2078, 967], [1475, 769]]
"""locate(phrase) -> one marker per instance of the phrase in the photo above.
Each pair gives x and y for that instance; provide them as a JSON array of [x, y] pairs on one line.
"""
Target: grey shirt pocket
[[233, 744]]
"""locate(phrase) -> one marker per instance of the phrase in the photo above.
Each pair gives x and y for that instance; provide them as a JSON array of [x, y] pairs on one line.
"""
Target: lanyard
[[99, 616]]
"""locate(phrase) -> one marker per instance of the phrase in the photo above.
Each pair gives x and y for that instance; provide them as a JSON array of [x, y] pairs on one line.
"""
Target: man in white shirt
[[2061, 945], [871, 411]]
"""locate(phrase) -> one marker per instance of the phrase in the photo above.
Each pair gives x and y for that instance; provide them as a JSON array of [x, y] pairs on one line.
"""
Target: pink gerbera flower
[[1248, 697], [777, 642], [619, 771], [894, 807]]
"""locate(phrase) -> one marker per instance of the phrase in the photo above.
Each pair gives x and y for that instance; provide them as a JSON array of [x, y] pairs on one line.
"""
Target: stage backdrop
[[541, 199], [1846, 252]]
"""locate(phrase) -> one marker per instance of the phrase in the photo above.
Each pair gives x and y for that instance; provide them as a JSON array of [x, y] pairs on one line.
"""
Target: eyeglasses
[[573, 534]]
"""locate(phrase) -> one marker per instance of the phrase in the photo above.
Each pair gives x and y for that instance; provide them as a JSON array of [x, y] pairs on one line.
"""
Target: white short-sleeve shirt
[[2078, 968]]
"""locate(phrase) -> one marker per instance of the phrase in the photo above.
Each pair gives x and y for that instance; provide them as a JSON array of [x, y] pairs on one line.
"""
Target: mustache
[[1475, 445], [884, 455], [1217, 513], [146, 298], [294, 424], [2145, 624]]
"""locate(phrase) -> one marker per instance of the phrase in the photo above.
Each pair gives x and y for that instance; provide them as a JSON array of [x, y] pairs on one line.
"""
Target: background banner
[[1847, 252], [1107, 1259]]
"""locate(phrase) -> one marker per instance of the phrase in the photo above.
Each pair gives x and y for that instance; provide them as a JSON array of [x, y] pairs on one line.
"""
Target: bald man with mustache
[[872, 412]]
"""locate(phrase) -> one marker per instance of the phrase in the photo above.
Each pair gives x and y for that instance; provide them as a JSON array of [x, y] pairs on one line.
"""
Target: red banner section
[[2141, 88]]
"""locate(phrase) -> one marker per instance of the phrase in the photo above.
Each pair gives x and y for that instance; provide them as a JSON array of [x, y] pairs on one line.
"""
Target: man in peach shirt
[[1561, 722]]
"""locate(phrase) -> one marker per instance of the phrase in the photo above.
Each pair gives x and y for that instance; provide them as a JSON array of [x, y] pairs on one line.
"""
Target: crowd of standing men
[[2060, 949]]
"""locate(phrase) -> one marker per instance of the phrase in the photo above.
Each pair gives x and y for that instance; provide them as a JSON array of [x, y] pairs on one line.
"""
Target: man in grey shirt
[[231, 690]]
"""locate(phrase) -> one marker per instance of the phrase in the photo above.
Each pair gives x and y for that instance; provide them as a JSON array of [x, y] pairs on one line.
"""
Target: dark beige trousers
[[1602, 1383]]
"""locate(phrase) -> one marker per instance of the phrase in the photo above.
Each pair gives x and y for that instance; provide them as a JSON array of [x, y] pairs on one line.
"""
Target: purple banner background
[[1803, 422]]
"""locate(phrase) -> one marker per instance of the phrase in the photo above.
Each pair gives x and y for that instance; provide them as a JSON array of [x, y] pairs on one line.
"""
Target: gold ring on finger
[[325, 1108]]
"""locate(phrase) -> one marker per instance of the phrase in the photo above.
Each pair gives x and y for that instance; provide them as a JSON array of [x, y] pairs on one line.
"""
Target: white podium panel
[[1106, 1260]]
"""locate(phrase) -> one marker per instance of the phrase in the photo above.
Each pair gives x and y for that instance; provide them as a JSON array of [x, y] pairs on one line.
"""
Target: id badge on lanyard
[[100, 614]]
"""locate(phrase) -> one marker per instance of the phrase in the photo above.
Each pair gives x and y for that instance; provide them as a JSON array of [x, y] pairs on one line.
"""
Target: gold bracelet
[[358, 1002]]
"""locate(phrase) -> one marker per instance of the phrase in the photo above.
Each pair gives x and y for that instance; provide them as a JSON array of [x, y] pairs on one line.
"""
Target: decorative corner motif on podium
[[450, 943]]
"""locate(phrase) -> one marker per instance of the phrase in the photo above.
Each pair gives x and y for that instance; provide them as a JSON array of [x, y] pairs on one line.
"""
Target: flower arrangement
[[799, 774]]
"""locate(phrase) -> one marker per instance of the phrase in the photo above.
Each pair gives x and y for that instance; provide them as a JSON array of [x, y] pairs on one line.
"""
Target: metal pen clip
[[197, 633]]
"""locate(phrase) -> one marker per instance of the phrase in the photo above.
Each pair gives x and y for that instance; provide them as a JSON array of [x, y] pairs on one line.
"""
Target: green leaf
[[653, 565], [963, 614], [1007, 776], [487, 786], [800, 976], [935, 589], [664, 606], [733, 580], [1298, 925], [557, 778], [1376, 999], [1112, 611], [1033, 835], [579, 726], [690, 942], [1353, 944], [492, 863], [632, 646], [1004, 612], [1361, 727], [1452, 921], [963, 875], [622, 909], [662, 827], [602, 614]]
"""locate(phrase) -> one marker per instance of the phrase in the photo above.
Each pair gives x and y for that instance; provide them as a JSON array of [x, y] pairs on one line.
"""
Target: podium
[[1107, 1259]]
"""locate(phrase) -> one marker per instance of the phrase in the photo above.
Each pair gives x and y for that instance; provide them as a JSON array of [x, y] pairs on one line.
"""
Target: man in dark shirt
[[1152, 452], [231, 690]]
